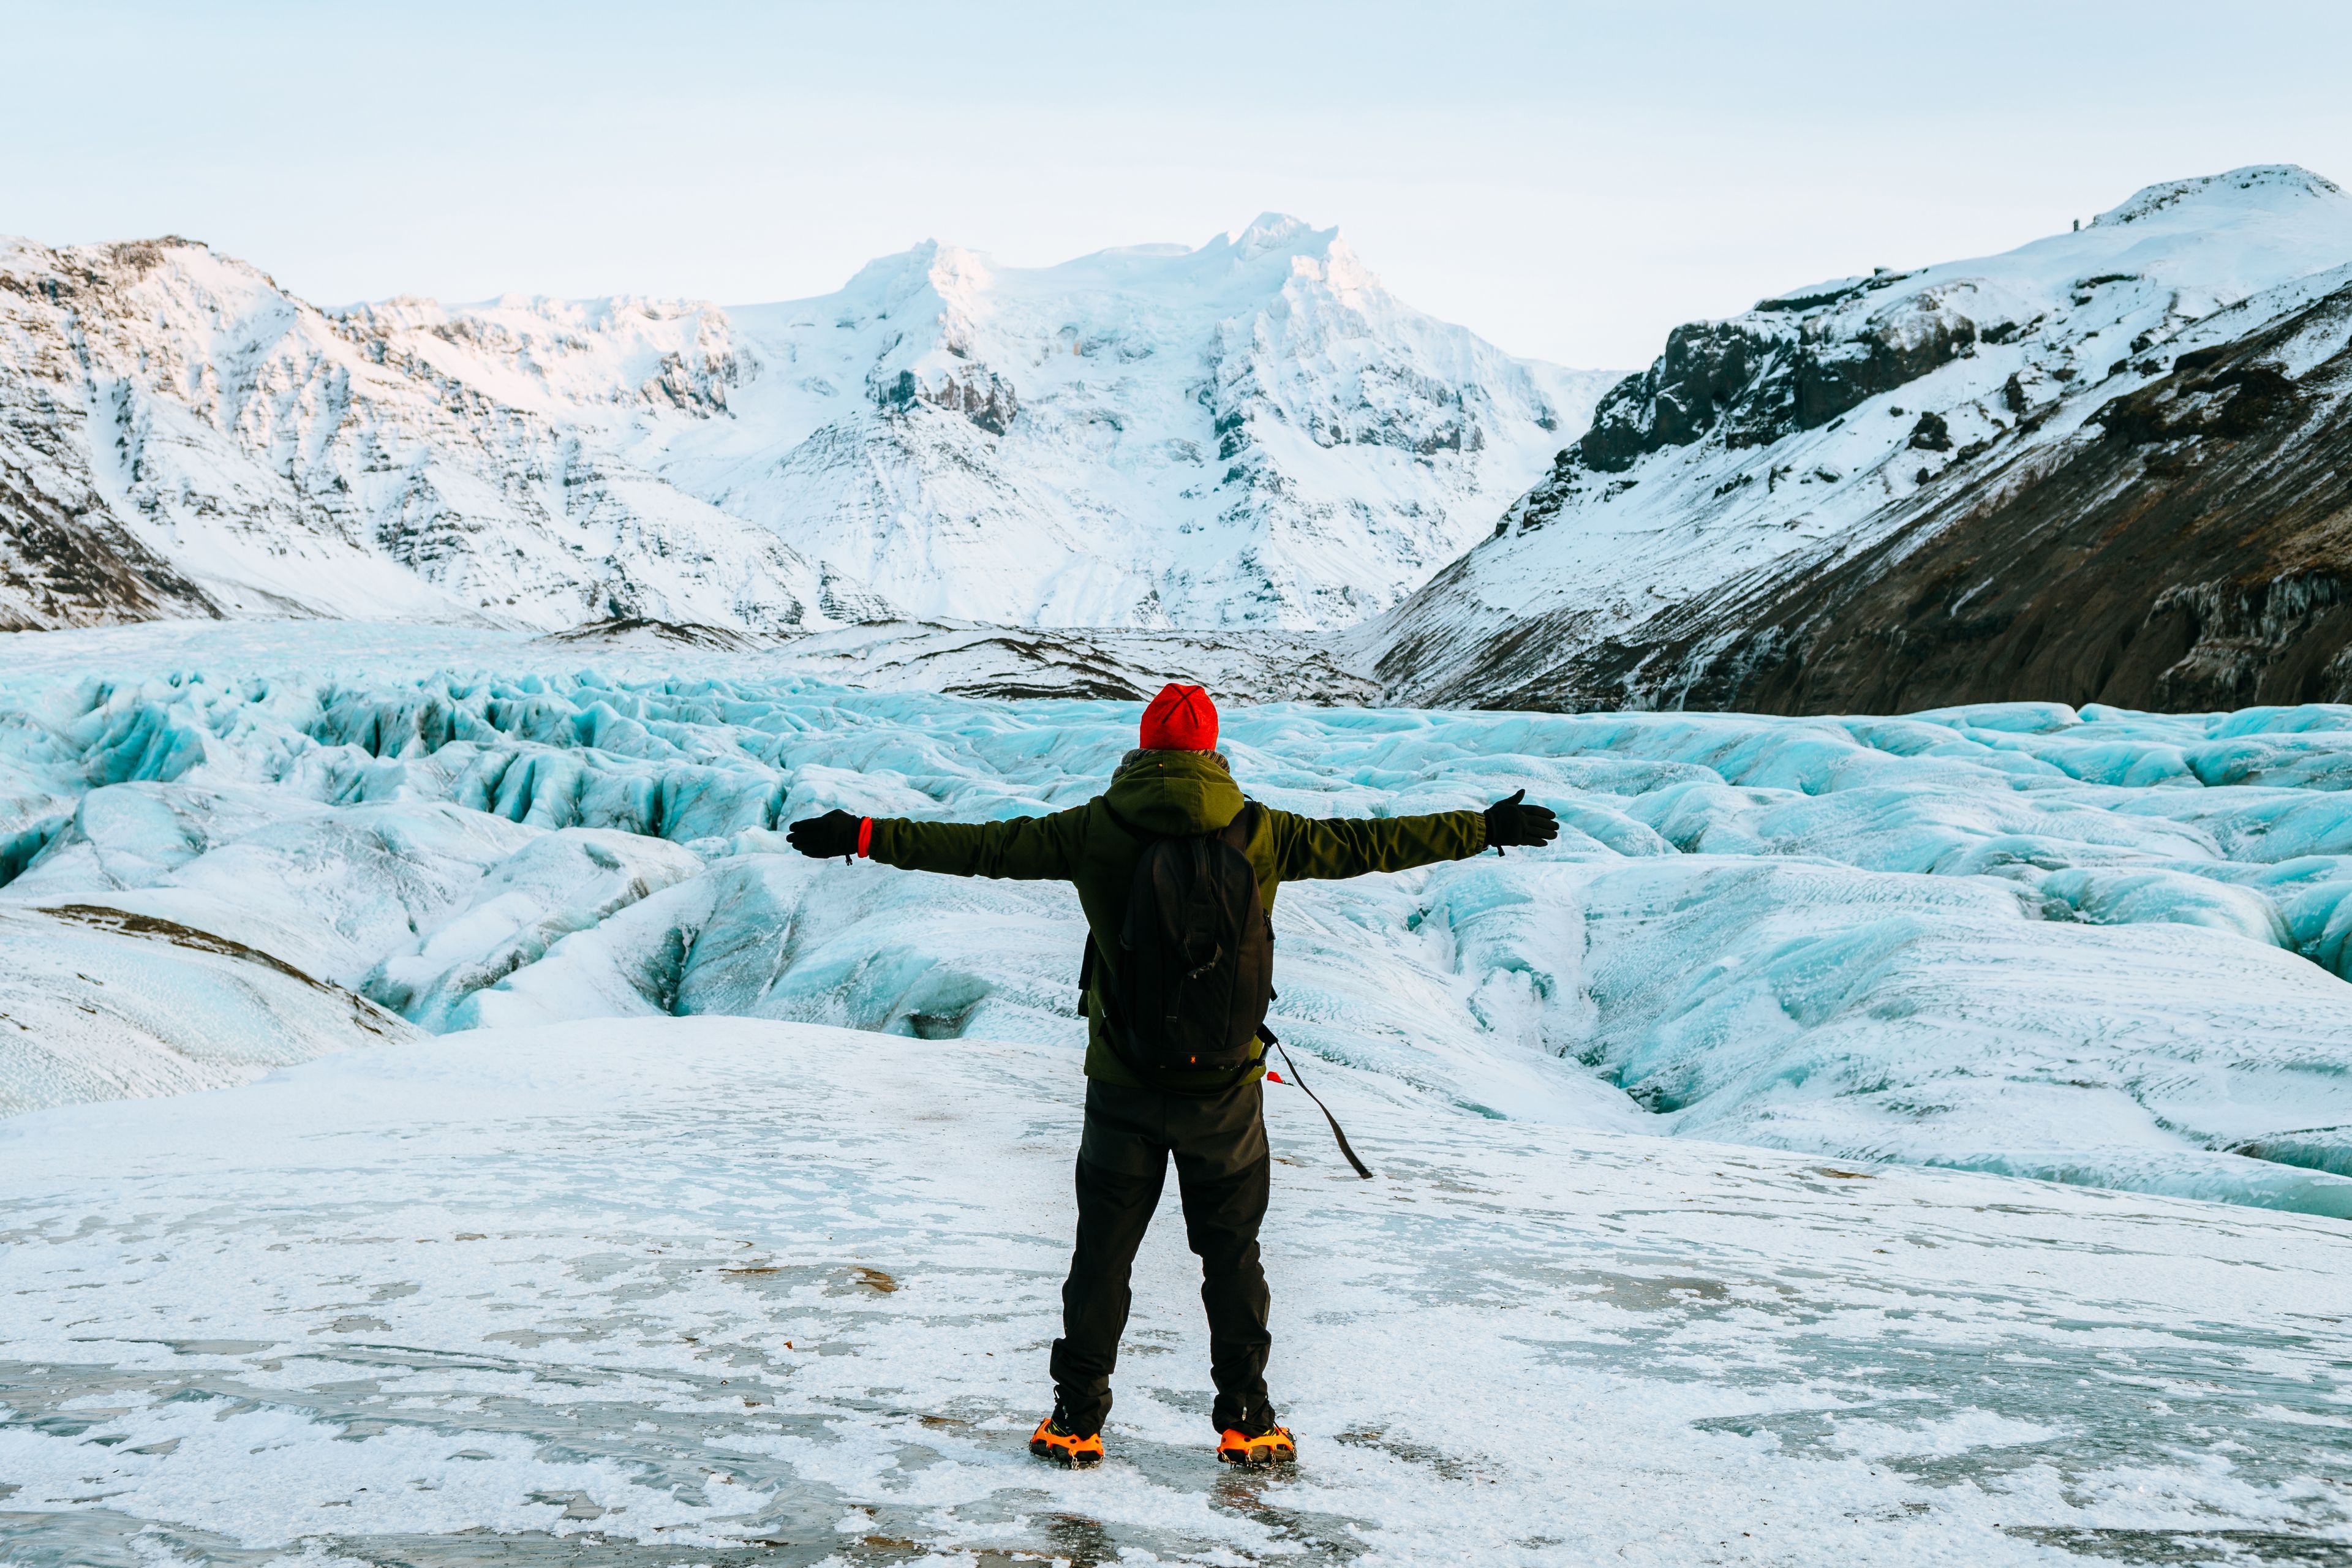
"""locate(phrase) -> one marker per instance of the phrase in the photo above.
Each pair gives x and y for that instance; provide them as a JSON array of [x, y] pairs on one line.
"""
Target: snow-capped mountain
[[1251, 433], [2103, 466], [181, 437], [2191, 550]]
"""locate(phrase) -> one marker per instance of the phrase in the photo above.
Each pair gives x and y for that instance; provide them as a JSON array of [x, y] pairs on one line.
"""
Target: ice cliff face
[[2103, 467], [1253, 433]]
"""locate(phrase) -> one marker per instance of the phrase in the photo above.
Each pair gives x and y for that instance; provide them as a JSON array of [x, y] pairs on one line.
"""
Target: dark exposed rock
[[60, 567], [2191, 551], [1760, 376], [684, 634], [696, 387], [1932, 433], [977, 393]]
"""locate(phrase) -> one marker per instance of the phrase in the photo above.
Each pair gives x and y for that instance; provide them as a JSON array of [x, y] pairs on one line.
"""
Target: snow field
[[660, 1289], [2096, 947]]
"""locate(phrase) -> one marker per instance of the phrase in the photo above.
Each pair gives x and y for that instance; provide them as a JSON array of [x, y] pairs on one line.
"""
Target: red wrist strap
[[864, 837]]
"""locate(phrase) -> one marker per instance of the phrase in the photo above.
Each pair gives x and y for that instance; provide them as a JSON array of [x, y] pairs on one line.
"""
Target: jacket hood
[[1174, 793]]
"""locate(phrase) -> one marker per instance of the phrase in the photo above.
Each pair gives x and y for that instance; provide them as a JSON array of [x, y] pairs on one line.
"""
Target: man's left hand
[[823, 838]]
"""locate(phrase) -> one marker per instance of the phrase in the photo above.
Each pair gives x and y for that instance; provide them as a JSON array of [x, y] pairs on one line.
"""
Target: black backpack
[[1196, 954]]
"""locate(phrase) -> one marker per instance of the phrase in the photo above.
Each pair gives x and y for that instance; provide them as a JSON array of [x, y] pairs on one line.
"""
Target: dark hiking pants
[[1221, 1168]]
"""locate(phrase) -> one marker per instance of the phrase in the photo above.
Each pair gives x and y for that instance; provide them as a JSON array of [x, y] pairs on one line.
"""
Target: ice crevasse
[[2095, 946]]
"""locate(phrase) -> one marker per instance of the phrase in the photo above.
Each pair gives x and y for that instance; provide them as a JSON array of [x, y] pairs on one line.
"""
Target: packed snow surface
[[664, 1291], [2098, 946]]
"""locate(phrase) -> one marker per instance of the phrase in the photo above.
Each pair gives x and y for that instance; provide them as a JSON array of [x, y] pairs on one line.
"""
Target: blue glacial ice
[[2101, 947]]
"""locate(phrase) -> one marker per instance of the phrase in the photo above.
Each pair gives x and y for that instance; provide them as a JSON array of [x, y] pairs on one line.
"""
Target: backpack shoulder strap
[[1114, 1028]]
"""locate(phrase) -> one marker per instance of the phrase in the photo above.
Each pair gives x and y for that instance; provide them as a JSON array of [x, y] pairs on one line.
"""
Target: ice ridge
[[2089, 945]]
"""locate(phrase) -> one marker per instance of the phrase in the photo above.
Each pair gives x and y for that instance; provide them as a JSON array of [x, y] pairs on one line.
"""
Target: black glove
[[1508, 822], [823, 838]]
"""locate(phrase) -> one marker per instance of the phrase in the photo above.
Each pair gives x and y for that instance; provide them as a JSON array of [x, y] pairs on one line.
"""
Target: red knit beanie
[[1180, 719]]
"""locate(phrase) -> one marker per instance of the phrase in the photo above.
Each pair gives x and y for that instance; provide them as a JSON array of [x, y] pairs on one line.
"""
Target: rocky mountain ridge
[[2103, 466], [2190, 550]]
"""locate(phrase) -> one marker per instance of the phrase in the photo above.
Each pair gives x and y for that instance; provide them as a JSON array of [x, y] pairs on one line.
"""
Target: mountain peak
[[1687, 549], [2264, 186], [1270, 233], [949, 271]]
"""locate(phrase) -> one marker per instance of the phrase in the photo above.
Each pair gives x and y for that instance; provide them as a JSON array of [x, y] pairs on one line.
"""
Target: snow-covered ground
[[2102, 947], [654, 1291]]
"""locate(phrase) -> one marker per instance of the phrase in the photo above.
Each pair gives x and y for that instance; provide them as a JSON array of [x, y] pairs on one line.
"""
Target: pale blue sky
[[1570, 180]]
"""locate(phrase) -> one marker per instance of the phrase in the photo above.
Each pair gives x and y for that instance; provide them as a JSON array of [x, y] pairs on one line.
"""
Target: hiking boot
[[1054, 1441], [1272, 1446]]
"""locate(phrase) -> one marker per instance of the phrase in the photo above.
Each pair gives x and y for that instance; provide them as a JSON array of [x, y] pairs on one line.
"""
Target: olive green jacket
[[1167, 794]]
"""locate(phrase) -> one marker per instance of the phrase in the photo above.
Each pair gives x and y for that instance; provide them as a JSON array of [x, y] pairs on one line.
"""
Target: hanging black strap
[[1342, 1137]]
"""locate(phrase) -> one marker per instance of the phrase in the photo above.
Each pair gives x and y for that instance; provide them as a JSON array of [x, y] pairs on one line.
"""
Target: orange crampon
[[1272, 1446], [1053, 1441]]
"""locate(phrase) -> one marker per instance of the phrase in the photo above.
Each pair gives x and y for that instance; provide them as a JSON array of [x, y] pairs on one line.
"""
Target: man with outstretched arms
[[1175, 871]]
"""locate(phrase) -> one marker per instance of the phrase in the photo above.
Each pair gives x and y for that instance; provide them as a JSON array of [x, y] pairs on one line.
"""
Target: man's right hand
[[1509, 821], [823, 838]]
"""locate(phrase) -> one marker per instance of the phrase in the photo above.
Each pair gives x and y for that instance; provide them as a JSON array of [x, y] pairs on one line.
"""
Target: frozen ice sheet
[[667, 1291]]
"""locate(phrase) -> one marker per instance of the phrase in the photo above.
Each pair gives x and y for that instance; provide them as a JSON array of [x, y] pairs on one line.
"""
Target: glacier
[[2094, 946], [439, 1118]]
